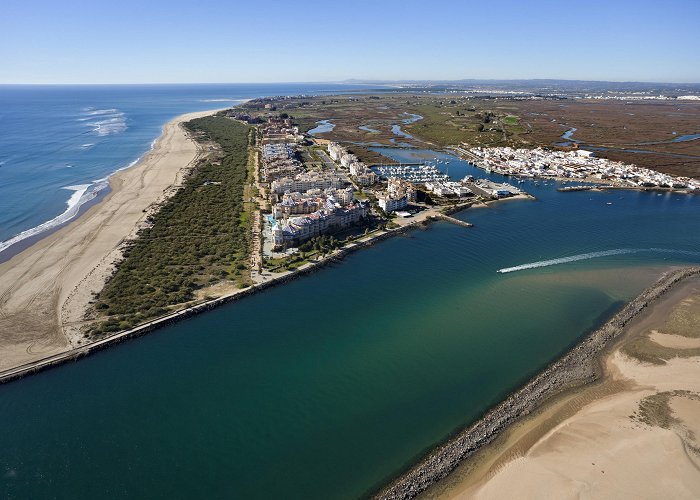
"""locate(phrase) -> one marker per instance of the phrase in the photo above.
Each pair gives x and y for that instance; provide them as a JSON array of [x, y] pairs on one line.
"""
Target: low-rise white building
[[390, 204], [295, 230], [306, 181], [358, 170]]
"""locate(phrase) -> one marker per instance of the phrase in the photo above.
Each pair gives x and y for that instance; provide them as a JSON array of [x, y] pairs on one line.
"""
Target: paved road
[[327, 162]]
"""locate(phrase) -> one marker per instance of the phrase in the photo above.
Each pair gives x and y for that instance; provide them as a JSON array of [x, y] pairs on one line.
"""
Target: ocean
[[59, 144], [330, 385]]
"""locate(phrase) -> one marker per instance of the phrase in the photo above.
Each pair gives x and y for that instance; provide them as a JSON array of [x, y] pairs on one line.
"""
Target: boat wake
[[594, 255]]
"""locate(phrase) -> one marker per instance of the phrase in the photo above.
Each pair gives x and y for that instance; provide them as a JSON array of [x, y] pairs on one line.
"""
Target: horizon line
[[357, 81]]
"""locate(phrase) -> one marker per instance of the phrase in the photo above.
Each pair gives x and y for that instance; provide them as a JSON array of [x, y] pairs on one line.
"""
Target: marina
[[413, 172], [255, 396]]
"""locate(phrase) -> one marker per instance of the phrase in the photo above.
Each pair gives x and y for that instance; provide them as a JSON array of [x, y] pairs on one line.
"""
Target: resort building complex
[[362, 174], [304, 203]]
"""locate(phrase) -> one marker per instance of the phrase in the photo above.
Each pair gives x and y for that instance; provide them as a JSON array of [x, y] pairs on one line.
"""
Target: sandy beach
[[45, 289], [634, 434]]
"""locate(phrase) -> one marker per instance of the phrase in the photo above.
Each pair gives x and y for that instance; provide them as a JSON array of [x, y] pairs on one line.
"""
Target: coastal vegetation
[[199, 236], [642, 133], [446, 124], [443, 122]]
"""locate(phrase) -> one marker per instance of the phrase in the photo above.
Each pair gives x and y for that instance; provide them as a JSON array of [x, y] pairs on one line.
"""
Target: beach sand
[[634, 434], [45, 289]]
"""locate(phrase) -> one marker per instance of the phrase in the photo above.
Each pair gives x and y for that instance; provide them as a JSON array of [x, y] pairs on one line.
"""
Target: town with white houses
[[315, 187], [578, 165], [304, 203], [315, 190], [336, 192]]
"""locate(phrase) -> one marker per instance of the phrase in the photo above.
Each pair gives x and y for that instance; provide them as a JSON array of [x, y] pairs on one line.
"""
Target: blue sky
[[157, 41]]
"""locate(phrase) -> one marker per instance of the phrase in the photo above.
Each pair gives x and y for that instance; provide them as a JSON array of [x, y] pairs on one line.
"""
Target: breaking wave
[[82, 193], [94, 112], [104, 121]]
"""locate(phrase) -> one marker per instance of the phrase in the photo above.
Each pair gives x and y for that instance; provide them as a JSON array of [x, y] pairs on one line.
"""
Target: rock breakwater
[[581, 365]]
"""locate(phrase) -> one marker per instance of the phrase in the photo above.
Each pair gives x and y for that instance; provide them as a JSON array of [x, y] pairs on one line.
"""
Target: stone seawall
[[77, 353], [581, 365]]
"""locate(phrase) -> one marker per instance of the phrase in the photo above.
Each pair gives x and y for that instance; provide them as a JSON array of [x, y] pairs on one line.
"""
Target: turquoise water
[[328, 386]]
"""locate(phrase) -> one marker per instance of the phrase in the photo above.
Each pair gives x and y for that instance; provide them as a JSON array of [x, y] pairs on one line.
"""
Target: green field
[[445, 122], [198, 237]]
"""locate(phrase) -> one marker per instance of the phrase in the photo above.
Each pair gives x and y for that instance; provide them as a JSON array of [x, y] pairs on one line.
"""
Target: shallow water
[[366, 128]]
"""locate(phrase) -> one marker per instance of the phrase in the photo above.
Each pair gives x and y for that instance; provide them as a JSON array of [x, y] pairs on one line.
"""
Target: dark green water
[[328, 386]]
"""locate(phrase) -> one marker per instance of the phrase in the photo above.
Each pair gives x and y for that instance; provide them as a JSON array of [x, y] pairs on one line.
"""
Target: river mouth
[[360, 367]]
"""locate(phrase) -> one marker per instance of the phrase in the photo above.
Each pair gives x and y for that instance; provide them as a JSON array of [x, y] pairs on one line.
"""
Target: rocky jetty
[[581, 365]]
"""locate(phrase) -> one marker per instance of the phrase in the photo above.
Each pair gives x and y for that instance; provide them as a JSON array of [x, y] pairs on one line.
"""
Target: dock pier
[[452, 220], [574, 188], [596, 187]]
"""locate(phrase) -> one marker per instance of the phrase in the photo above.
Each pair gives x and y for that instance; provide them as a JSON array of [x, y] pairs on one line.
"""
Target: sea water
[[330, 385], [59, 144]]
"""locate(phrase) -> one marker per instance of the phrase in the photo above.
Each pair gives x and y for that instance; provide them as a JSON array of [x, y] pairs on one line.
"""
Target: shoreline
[[26, 243], [70, 313], [580, 367], [638, 420], [46, 287], [36, 366]]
